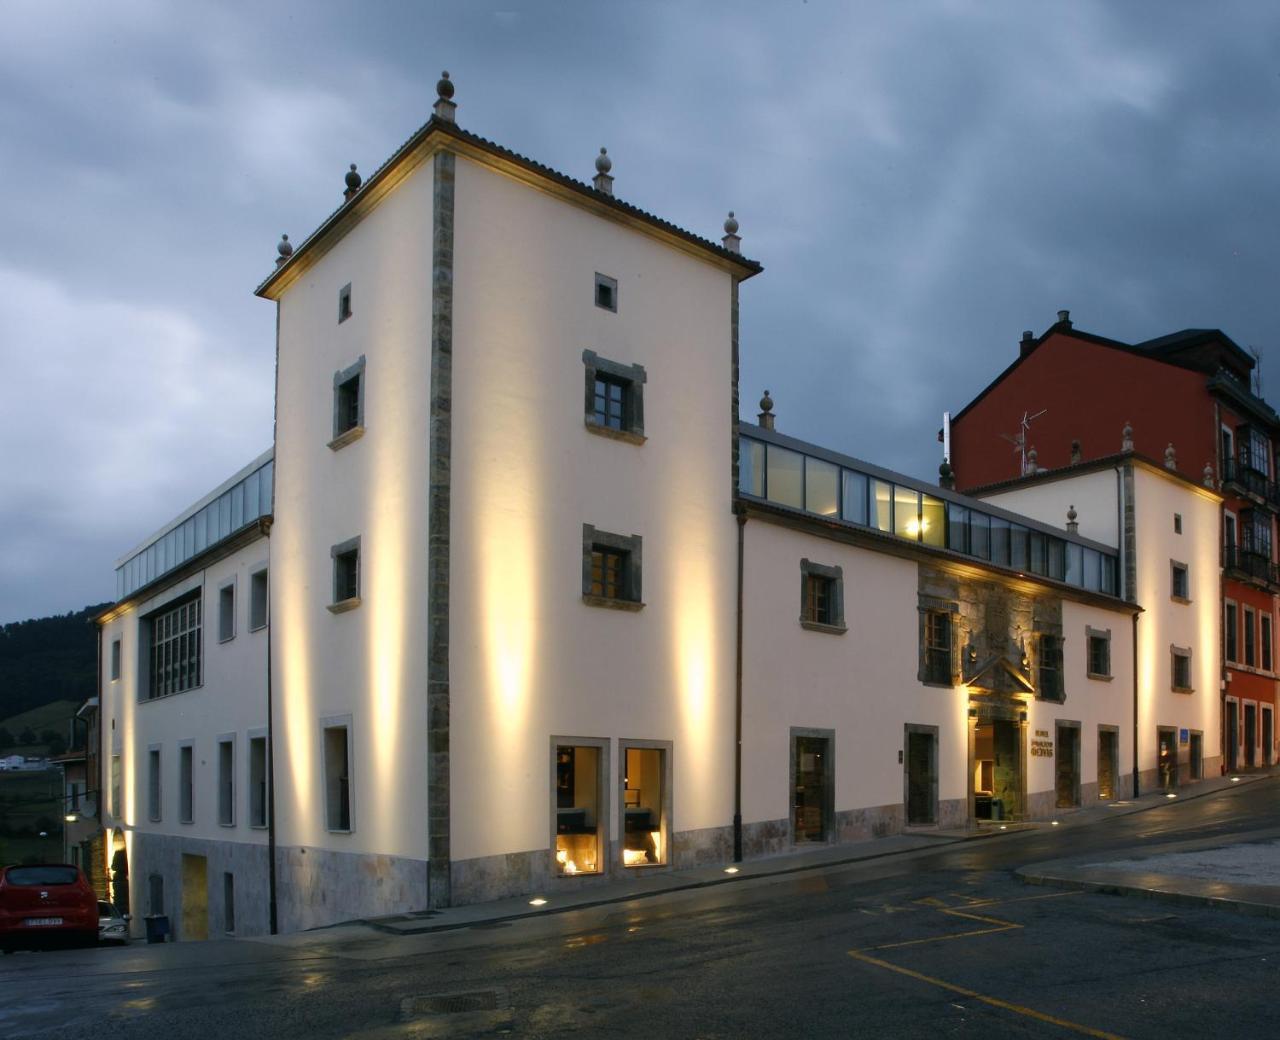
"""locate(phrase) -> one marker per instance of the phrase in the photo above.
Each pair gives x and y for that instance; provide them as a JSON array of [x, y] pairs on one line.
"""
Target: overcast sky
[[922, 181]]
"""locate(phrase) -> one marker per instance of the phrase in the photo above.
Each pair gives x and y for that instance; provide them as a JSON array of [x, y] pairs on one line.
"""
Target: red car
[[45, 902]]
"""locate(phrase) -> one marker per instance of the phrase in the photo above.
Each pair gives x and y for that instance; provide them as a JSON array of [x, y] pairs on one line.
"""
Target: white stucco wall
[[1094, 496], [369, 663], [529, 659]]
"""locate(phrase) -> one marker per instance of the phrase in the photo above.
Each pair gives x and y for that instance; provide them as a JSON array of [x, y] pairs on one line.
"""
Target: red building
[[1066, 399]]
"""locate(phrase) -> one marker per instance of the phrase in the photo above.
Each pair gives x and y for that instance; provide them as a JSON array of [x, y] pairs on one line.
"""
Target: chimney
[[1076, 455], [1064, 318], [766, 412], [1033, 464], [1126, 437], [1027, 344], [445, 109], [353, 184], [1170, 457], [1072, 526], [732, 240], [946, 476], [602, 181]]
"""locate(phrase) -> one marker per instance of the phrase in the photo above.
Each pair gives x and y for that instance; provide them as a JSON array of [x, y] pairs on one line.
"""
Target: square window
[[606, 292], [346, 575], [337, 777], [614, 398], [611, 568], [115, 659], [821, 597], [226, 612], [344, 303], [1181, 583], [1099, 654], [1181, 669], [348, 405], [257, 600]]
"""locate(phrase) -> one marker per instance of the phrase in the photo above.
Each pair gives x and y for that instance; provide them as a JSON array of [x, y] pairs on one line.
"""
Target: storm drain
[[454, 1003]]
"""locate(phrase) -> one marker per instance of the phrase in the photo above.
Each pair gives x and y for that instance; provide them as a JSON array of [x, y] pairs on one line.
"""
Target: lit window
[[821, 597], [579, 815], [614, 398], [644, 806]]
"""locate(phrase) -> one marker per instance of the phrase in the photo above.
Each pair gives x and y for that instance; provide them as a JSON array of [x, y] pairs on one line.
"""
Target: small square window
[[1177, 523], [348, 405], [344, 303], [614, 398], [346, 575], [1099, 654], [257, 600], [610, 568], [606, 292], [226, 612], [1181, 669], [1180, 581], [821, 597]]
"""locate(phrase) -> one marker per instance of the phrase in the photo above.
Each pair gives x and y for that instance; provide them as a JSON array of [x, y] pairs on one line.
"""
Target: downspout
[[737, 693], [1130, 595]]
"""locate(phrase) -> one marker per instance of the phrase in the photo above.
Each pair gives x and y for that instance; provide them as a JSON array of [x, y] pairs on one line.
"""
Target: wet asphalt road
[[940, 943]]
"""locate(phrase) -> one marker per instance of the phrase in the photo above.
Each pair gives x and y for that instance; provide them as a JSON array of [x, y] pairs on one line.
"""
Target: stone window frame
[[344, 435], [229, 585], [341, 606], [667, 748], [250, 738], [1091, 634], [834, 575], [925, 606], [603, 823], [344, 303], [1177, 653], [344, 723], [222, 740], [604, 281], [632, 547], [632, 379], [1177, 567]]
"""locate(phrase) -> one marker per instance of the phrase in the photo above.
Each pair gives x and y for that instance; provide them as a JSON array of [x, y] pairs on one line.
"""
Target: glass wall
[[241, 504], [817, 486]]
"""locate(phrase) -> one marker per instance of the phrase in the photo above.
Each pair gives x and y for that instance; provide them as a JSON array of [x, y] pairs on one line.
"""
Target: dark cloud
[[921, 181]]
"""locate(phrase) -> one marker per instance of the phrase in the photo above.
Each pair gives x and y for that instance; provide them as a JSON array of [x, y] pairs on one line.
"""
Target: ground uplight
[[539, 901]]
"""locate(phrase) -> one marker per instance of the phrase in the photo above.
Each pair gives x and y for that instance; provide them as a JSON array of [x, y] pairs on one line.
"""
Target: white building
[[526, 631]]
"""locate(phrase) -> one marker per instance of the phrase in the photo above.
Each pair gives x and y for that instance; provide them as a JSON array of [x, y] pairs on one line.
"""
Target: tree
[[6, 739], [27, 737]]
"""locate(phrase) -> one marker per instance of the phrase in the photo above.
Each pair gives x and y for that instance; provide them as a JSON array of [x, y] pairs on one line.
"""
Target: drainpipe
[[1135, 705], [271, 786], [737, 693], [1131, 596]]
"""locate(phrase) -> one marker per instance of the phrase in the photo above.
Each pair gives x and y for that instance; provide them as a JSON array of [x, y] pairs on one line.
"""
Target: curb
[[1177, 898]]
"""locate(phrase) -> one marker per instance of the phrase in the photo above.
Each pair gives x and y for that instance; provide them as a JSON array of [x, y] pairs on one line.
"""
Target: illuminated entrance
[[997, 760]]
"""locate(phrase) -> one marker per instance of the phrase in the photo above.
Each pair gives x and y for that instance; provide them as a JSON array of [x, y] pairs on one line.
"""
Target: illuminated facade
[[542, 612]]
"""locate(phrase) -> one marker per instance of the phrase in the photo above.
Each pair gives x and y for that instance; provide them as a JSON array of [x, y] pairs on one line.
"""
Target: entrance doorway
[[1167, 758], [1066, 762], [1197, 756], [1250, 734], [1232, 736], [1108, 762], [997, 769], [195, 897], [922, 775], [812, 785], [1268, 735]]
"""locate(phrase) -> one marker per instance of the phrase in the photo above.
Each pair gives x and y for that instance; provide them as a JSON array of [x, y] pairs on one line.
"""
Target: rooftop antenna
[[1257, 371], [1019, 440]]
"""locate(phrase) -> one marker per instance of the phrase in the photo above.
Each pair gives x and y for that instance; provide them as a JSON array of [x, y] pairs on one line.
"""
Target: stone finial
[[1076, 455], [946, 475], [766, 412], [445, 108], [602, 181], [1064, 318], [285, 248], [1033, 465], [1208, 475], [1170, 457], [1126, 437], [353, 183], [732, 240], [1072, 526]]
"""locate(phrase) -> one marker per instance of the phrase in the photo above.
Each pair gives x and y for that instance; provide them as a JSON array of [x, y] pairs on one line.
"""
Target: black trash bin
[[157, 927]]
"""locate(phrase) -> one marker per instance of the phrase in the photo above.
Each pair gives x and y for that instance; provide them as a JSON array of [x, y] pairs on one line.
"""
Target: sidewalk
[[645, 884], [1240, 873]]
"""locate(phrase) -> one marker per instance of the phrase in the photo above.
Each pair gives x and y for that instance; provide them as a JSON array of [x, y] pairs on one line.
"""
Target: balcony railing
[[1251, 481], [1250, 564]]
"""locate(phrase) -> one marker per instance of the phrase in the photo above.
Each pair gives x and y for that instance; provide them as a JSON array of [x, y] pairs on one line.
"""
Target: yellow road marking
[[1005, 1005], [1001, 926]]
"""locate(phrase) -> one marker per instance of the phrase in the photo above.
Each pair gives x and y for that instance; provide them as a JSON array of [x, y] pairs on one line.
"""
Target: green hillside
[[46, 660]]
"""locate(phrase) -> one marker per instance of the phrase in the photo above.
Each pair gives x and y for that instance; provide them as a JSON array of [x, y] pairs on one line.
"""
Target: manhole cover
[[453, 1003]]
